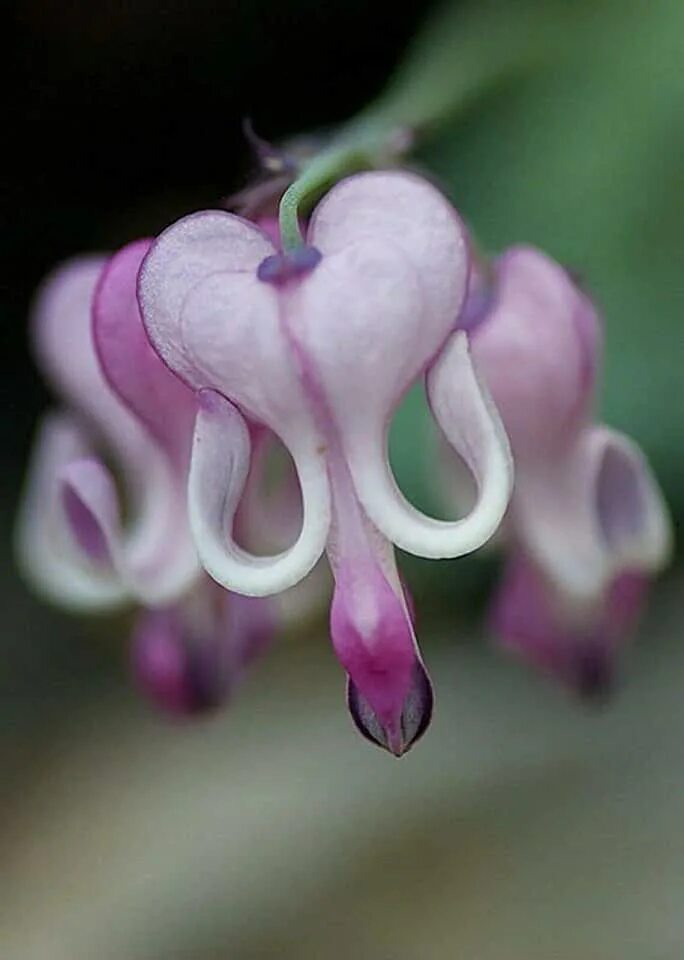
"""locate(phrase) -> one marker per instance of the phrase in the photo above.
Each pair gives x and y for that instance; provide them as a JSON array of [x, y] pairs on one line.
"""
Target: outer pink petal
[[233, 335], [155, 555], [184, 255], [360, 329], [577, 647], [133, 369], [403, 210], [189, 658], [63, 342], [537, 349]]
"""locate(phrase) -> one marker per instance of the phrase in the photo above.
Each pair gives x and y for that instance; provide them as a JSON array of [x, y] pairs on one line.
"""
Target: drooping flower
[[587, 525], [319, 344], [93, 538]]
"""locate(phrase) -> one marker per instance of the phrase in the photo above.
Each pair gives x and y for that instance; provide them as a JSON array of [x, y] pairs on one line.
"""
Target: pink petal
[[189, 658], [61, 326], [233, 336], [187, 253], [229, 326], [218, 473], [133, 369], [537, 350], [402, 210], [578, 646], [361, 332], [154, 556], [389, 692]]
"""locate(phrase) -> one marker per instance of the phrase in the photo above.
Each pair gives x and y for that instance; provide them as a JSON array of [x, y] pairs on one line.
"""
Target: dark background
[[124, 115]]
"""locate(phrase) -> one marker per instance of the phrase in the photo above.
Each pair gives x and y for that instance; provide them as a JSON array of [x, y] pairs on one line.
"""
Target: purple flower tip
[[413, 722], [281, 268]]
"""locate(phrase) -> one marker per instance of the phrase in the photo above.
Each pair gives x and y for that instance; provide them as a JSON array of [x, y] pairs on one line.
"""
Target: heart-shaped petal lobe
[[185, 254]]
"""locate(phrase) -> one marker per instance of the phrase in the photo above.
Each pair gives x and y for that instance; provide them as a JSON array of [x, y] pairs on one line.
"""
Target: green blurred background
[[521, 828]]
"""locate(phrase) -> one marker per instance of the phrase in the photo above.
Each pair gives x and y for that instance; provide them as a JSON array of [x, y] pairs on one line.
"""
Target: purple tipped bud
[[180, 674], [389, 693], [281, 268]]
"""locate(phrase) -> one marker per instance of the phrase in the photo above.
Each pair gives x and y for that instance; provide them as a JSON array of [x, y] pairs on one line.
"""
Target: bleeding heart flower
[[319, 344], [587, 524], [94, 538]]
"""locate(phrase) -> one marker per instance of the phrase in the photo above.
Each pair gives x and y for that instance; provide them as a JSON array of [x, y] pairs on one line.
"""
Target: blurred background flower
[[523, 827]]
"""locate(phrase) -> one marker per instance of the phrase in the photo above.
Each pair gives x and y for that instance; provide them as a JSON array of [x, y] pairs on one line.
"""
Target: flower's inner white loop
[[631, 515], [592, 515], [218, 473], [466, 414], [154, 560]]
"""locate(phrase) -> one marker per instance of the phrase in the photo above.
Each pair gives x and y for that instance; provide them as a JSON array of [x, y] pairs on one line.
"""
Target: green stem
[[352, 150]]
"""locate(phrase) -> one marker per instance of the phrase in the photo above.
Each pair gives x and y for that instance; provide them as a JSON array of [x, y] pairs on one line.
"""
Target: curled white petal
[[592, 514], [218, 473], [630, 509], [466, 414]]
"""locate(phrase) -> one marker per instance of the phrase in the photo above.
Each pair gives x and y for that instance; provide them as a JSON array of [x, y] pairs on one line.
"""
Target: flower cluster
[[180, 361]]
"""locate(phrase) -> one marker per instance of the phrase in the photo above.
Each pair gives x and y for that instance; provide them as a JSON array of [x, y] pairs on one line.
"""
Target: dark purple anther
[[281, 268]]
